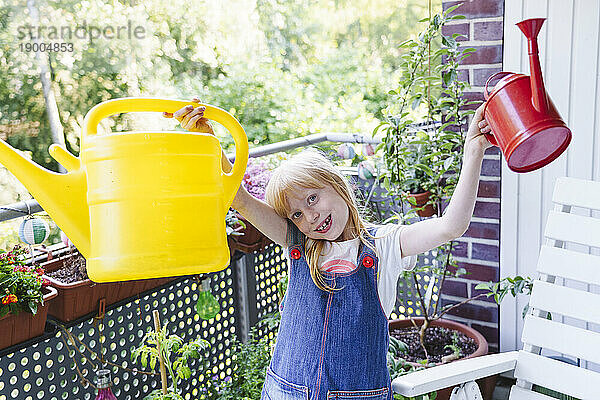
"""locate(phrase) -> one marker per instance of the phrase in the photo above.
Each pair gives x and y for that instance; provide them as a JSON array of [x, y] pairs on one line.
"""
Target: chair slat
[[577, 192], [569, 264], [566, 301], [562, 338], [559, 376], [518, 393], [573, 228]]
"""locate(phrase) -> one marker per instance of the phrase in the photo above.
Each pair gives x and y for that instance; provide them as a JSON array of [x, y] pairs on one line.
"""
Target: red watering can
[[524, 121]]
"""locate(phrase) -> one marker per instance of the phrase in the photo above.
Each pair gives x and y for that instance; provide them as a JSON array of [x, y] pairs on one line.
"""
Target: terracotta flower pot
[[421, 199], [80, 298], [23, 326], [486, 385]]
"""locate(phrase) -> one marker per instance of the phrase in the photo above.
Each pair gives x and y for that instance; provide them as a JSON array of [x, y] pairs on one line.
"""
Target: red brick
[[460, 249], [473, 311], [485, 55], [476, 272], [490, 334], [489, 189], [461, 29], [473, 96], [490, 167], [488, 30], [477, 8], [481, 75], [455, 288], [487, 210], [486, 252], [463, 75], [483, 230]]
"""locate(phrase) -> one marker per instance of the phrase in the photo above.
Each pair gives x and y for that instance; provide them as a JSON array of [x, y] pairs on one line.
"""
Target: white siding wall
[[570, 57]]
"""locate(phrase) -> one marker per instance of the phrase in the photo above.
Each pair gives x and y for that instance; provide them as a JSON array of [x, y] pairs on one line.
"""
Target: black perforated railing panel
[[47, 369]]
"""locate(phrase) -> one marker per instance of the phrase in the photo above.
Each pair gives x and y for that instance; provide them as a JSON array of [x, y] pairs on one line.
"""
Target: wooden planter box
[[486, 385], [80, 298], [23, 326]]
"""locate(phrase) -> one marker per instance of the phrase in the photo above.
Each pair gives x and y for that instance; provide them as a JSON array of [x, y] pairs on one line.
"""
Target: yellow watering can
[[140, 204]]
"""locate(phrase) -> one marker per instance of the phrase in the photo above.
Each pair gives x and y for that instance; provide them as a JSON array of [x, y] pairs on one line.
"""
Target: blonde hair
[[311, 169]]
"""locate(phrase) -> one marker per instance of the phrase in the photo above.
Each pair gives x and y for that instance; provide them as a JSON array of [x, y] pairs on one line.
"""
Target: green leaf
[[450, 9]]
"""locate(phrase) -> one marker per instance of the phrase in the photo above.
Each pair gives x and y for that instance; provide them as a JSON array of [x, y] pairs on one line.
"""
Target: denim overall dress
[[330, 345]]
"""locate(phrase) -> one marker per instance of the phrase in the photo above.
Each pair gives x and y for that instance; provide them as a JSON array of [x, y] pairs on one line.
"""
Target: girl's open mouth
[[325, 225]]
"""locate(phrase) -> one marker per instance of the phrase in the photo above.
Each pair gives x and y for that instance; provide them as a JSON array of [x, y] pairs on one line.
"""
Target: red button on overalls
[[368, 261], [295, 254]]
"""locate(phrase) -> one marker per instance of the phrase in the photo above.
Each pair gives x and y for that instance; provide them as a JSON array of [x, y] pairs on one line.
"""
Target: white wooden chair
[[573, 329]]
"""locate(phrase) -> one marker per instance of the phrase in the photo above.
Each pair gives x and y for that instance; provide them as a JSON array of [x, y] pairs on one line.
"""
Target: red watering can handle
[[503, 73], [486, 93]]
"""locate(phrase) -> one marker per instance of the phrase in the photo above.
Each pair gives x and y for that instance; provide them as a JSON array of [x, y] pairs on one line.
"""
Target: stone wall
[[478, 251]]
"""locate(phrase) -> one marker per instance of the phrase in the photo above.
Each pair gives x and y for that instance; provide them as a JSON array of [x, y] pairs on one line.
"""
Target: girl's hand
[[191, 119], [476, 135]]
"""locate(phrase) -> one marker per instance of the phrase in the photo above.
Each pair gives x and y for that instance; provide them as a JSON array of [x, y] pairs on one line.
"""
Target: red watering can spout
[[531, 28]]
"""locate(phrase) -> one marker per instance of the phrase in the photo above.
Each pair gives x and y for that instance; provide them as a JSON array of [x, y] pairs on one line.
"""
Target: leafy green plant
[[20, 285], [176, 355], [513, 285], [427, 156]]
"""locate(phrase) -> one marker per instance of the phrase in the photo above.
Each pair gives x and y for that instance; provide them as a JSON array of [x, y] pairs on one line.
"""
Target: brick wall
[[478, 250]]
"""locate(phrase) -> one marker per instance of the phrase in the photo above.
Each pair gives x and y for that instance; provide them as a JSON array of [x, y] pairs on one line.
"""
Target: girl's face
[[320, 213]]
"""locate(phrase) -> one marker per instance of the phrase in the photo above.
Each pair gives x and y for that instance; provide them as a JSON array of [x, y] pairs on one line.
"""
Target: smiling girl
[[333, 337]]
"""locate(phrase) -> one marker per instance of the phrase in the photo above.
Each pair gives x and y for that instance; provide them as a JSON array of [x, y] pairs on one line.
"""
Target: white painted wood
[[517, 393], [573, 228], [577, 192], [565, 339], [570, 264], [452, 374], [566, 301], [584, 73], [562, 377], [570, 58], [509, 233]]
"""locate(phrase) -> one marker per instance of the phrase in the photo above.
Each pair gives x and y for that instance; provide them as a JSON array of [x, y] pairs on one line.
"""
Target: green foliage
[[20, 285], [250, 362], [426, 157], [513, 285], [176, 355]]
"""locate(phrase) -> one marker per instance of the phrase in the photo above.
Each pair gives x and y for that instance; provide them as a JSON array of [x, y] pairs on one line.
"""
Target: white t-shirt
[[342, 256]]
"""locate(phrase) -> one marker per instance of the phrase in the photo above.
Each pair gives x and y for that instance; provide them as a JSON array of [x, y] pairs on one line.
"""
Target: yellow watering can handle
[[231, 181]]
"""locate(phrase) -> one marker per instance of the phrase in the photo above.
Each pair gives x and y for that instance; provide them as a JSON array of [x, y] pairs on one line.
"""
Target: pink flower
[[256, 178]]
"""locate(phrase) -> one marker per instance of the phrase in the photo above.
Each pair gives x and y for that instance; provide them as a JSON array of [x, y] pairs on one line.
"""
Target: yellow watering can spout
[[69, 212]]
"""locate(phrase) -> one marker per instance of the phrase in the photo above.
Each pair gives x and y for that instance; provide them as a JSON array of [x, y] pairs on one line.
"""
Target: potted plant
[[422, 162], [79, 296], [24, 296]]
